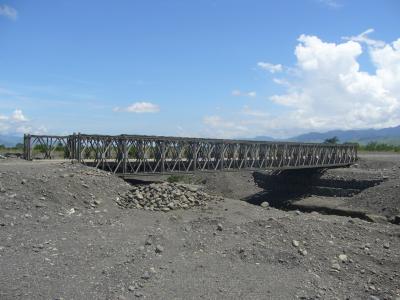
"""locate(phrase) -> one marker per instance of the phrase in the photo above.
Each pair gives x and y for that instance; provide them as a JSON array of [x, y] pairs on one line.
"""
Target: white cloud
[[363, 38], [328, 89], [270, 67], [18, 116], [8, 12], [139, 107], [239, 93], [332, 91], [17, 123]]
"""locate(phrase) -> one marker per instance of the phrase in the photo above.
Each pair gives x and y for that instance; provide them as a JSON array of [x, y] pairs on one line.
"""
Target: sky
[[209, 68]]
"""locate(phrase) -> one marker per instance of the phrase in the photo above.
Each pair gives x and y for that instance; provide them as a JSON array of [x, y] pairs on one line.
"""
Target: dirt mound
[[57, 185]]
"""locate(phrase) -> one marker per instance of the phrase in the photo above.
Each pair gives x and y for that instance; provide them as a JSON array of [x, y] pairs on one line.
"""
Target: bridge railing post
[[124, 156], [194, 156], [163, 156], [221, 155], [78, 147], [27, 147], [73, 146]]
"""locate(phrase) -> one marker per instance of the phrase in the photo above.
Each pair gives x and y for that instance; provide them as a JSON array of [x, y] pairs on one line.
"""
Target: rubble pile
[[165, 197]]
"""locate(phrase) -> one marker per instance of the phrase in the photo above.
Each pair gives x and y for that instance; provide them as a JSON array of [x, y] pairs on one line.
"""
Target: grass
[[379, 147]]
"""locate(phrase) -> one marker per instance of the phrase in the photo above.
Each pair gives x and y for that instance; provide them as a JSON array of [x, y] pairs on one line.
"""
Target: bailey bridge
[[139, 154]]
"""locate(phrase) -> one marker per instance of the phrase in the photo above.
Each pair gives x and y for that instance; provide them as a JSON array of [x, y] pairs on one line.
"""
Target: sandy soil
[[62, 236]]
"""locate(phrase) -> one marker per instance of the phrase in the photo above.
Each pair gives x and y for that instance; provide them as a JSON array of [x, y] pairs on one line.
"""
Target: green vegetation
[[371, 146], [16, 149], [375, 146], [176, 178], [333, 140]]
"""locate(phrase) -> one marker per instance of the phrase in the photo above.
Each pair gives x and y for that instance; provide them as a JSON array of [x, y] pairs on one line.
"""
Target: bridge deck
[[136, 154]]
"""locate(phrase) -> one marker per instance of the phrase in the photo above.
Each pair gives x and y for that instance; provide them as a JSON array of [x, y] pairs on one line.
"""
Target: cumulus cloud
[[139, 107], [270, 67], [239, 93], [329, 90], [17, 123], [8, 12]]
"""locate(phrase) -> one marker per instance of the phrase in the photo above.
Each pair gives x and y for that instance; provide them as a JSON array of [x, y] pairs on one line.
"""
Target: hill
[[389, 135], [10, 140]]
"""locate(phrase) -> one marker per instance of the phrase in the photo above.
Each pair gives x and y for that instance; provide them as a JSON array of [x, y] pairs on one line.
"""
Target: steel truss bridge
[[138, 154]]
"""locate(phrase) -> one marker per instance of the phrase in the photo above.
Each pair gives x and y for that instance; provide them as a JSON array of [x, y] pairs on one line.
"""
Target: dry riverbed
[[72, 232]]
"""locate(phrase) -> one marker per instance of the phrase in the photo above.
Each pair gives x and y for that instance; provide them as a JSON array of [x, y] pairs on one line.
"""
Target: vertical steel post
[[124, 156], [24, 150], [194, 156], [221, 155], [28, 147], [73, 146], [78, 147], [162, 156]]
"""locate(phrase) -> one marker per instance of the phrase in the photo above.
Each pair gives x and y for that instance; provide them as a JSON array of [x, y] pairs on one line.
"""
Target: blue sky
[[218, 68]]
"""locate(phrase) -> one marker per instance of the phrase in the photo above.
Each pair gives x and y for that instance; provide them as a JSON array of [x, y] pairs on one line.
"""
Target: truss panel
[[135, 154]]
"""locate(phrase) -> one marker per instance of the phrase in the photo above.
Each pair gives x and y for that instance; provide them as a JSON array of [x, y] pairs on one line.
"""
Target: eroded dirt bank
[[64, 235]]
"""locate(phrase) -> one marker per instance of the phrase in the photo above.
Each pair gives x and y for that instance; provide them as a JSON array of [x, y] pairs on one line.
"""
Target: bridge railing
[[158, 154]]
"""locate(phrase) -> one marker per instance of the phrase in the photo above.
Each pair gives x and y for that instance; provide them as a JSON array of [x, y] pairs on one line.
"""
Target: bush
[[333, 140]]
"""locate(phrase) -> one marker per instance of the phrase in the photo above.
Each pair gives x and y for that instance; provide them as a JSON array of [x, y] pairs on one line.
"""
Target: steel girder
[[155, 154]]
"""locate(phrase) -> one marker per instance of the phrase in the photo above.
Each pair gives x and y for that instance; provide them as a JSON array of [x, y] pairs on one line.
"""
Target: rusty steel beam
[[140, 154]]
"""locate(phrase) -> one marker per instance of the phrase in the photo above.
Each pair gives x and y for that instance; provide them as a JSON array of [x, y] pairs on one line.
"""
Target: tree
[[333, 140]]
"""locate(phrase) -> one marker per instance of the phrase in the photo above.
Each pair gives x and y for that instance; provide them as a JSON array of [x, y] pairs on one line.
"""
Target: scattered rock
[[295, 243], [343, 258], [139, 294], [219, 227], [131, 288], [335, 266], [159, 249], [386, 245], [303, 252], [146, 275], [264, 204]]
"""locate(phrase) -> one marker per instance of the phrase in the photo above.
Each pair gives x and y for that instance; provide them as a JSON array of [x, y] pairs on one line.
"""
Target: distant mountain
[[10, 140], [262, 138], [363, 136]]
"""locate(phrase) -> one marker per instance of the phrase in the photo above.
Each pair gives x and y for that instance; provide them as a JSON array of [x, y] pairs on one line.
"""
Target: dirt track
[[56, 242]]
